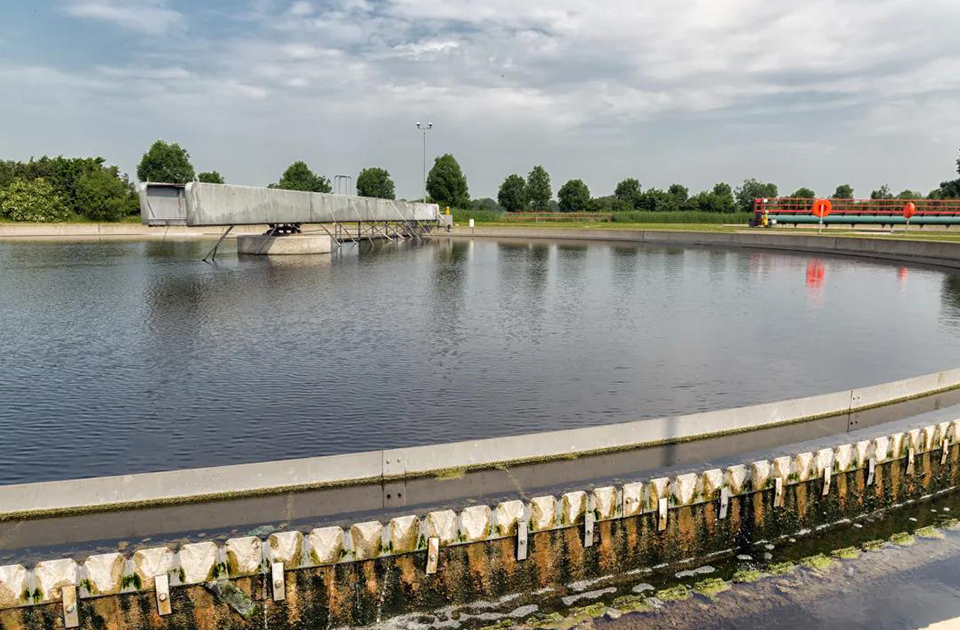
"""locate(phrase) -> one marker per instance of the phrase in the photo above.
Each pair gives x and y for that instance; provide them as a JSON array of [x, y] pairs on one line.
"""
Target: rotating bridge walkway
[[344, 218]]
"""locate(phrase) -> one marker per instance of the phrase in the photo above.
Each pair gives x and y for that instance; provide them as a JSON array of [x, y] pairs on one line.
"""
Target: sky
[[813, 93]]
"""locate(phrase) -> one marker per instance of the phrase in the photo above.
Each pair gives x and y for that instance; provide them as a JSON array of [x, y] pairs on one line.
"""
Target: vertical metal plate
[[662, 514], [71, 616], [522, 540], [946, 450], [910, 459], [394, 494], [433, 555], [163, 594], [871, 470], [724, 502], [279, 585], [588, 522], [778, 496], [826, 480]]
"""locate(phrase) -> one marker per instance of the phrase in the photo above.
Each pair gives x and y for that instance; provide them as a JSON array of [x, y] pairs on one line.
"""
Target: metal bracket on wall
[[724, 502], [910, 461], [162, 583], [778, 492], [71, 616], [871, 470], [433, 555], [826, 480], [522, 540], [279, 587], [212, 254], [588, 522], [945, 446], [662, 514]]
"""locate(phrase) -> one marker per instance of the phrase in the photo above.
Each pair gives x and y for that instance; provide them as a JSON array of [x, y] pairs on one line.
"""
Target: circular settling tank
[[135, 357]]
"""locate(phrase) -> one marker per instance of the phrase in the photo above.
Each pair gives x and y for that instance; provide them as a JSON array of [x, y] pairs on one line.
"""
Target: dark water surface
[[132, 357]]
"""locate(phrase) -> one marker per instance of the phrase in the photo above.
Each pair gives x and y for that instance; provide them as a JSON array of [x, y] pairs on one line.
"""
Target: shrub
[[34, 201]]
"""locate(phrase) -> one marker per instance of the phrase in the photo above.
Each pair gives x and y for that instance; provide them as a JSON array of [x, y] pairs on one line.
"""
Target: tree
[[881, 193], [446, 183], [719, 199], [35, 201], [486, 204], [678, 192], [752, 189], [843, 191], [103, 195], [910, 194], [804, 193], [375, 182], [538, 189], [628, 191], [210, 177], [513, 195], [298, 176], [574, 196], [167, 163]]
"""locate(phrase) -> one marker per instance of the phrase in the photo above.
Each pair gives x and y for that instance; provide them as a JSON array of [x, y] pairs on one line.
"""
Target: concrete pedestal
[[292, 244]]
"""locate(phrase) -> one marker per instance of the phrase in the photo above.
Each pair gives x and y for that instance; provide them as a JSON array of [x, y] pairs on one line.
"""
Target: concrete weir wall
[[334, 576], [30, 500], [945, 254]]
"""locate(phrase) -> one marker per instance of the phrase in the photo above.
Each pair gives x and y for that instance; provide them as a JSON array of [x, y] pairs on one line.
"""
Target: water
[[131, 357]]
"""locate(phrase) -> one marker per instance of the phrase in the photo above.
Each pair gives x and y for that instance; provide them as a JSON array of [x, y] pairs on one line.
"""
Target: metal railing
[[864, 207]]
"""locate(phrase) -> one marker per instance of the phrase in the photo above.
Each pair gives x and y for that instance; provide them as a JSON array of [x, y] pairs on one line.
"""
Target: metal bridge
[[344, 218]]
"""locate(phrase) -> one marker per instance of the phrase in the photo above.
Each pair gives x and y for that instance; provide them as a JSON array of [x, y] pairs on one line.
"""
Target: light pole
[[425, 128]]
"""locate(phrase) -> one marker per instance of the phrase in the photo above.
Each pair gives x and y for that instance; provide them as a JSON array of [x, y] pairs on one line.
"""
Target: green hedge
[[488, 216], [682, 217]]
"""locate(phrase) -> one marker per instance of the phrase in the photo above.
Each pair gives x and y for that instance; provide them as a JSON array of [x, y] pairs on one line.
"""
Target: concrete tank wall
[[370, 571], [941, 253]]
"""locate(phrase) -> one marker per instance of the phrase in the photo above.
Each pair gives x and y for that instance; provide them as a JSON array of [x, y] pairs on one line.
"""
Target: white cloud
[[301, 8], [646, 79], [417, 50], [152, 17]]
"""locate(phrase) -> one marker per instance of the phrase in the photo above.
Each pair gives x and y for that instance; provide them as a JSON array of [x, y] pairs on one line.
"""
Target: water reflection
[[951, 295]]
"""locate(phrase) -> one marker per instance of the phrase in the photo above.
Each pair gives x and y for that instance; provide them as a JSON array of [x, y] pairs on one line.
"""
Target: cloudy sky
[[811, 93]]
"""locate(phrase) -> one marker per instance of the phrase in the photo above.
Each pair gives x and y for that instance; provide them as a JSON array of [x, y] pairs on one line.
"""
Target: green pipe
[[867, 219]]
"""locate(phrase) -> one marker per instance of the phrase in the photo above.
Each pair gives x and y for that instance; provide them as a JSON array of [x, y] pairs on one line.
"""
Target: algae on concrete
[[746, 576], [903, 539], [781, 568], [818, 562], [711, 587], [929, 532], [632, 603], [674, 593], [847, 553]]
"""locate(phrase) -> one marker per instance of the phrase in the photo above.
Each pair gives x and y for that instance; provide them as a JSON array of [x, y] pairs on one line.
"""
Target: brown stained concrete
[[361, 593]]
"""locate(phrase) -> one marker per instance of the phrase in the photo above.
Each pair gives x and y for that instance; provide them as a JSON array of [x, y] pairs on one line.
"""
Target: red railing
[[865, 207]]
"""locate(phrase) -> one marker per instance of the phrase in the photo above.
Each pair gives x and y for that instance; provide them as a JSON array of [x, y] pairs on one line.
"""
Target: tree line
[[59, 188]]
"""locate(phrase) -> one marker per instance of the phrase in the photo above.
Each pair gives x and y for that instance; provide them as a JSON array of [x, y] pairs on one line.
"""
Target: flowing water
[[135, 356]]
